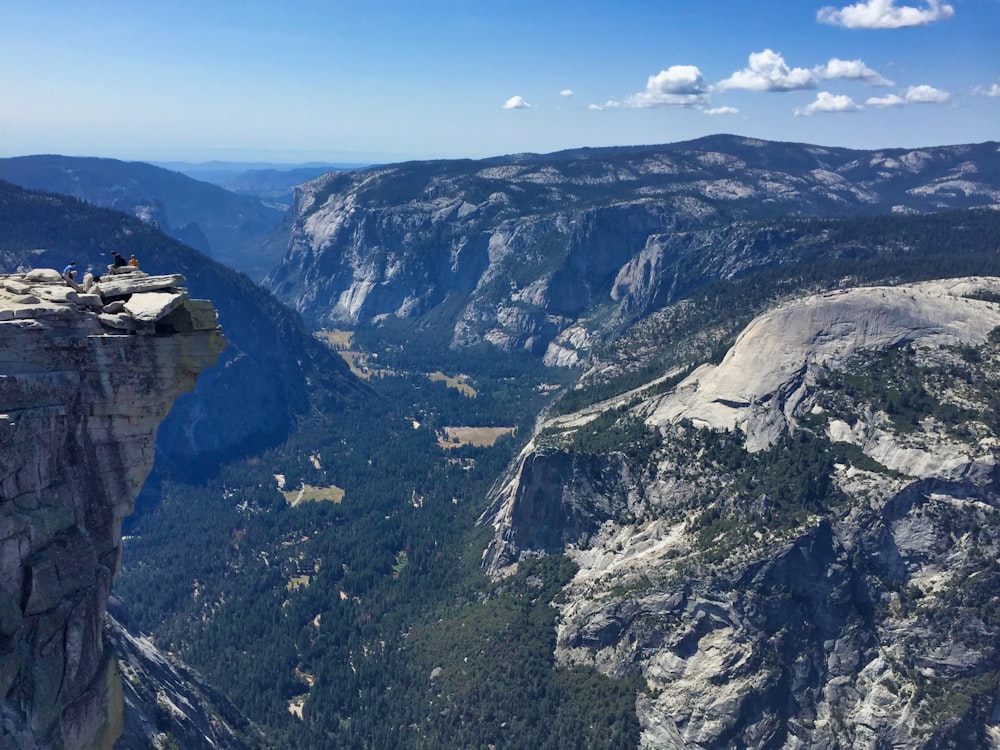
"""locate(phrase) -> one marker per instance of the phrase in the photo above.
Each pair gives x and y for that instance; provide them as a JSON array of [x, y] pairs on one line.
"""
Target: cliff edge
[[85, 379]]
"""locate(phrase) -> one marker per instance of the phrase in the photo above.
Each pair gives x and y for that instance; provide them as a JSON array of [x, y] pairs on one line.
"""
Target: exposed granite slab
[[122, 285], [151, 306]]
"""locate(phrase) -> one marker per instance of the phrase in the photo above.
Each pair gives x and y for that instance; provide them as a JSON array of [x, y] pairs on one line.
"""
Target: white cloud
[[883, 14], [721, 111], [516, 102], [678, 86], [925, 94], [993, 90], [609, 104], [767, 71], [851, 70], [889, 100], [827, 102], [566, 92]]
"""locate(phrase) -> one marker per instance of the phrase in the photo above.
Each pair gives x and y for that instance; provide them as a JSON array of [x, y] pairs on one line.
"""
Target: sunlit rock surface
[[80, 403], [865, 619], [762, 379]]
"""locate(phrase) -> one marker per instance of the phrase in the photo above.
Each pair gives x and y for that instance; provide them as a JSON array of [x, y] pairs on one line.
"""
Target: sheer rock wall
[[83, 388]]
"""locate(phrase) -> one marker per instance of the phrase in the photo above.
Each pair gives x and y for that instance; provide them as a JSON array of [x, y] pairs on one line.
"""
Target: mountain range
[[749, 491], [229, 227], [550, 253]]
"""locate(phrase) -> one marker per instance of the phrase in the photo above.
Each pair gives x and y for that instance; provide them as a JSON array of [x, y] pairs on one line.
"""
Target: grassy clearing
[[307, 493], [341, 341], [336, 339], [482, 437], [459, 382], [358, 362]]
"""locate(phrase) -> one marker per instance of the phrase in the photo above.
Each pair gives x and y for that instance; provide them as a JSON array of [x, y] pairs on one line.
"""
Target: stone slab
[[119, 321], [123, 285], [16, 287], [149, 307]]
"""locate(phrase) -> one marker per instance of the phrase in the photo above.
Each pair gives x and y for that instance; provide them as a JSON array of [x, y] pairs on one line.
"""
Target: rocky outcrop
[[553, 500], [835, 586], [273, 371], [780, 355], [83, 388]]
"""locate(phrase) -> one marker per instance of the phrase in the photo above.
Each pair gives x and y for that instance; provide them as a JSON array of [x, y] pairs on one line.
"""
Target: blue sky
[[387, 80]]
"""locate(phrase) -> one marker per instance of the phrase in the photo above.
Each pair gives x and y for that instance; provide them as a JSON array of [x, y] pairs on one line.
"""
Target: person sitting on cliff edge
[[133, 262], [69, 276], [119, 263]]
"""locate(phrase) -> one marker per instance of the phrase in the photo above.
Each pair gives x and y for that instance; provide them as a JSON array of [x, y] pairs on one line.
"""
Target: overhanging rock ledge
[[85, 380]]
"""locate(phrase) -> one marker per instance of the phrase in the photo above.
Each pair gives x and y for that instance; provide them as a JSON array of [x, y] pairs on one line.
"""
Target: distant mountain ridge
[[274, 183], [271, 368], [521, 251], [229, 227]]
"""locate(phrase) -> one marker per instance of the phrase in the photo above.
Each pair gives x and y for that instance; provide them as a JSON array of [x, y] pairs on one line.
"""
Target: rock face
[[164, 698], [80, 403], [767, 373], [804, 552], [517, 251]]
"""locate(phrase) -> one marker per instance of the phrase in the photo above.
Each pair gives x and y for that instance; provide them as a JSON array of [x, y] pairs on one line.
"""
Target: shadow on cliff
[[272, 372]]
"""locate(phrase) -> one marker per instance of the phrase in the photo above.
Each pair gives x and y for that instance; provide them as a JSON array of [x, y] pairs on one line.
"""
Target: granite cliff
[[85, 380], [795, 547], [552, 253], [273, 370]]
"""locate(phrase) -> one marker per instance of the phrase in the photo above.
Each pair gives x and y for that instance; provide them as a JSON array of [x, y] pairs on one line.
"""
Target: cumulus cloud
[[827, 102], [677, 86], [609, 104], [768, 71], [993, 90], [883, 14], [516, 102], [566, 92], [925, 94], [851, 70], [889, 100], [721, 111]]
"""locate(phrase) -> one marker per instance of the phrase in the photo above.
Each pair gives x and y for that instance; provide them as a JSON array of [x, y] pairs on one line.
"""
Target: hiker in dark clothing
[[119, 264]]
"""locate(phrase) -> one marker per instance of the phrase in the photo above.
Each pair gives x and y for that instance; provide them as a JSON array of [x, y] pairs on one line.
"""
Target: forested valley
[[371, 616], [372, 613]]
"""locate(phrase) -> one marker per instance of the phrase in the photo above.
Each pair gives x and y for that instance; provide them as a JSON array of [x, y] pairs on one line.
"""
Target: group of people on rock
[[118, 265]]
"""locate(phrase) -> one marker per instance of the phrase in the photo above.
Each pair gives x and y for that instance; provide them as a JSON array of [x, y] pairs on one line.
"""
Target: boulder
[[149, 307], [45, 275]]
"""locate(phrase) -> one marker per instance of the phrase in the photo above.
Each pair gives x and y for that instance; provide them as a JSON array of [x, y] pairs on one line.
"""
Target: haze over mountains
[[681, 553], [229, 227]]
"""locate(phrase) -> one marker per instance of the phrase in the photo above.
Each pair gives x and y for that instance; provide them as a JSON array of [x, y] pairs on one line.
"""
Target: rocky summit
[[86, 376], [795, 547]]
